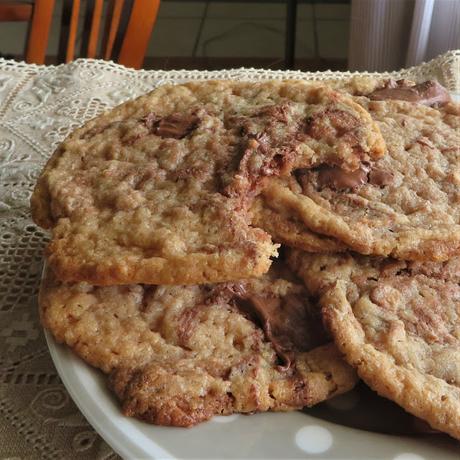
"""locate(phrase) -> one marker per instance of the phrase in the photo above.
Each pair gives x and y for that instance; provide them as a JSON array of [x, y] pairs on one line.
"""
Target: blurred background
[[175, 34]]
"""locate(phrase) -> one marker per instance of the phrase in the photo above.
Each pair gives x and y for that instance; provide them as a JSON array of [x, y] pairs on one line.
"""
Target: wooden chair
[[123, 38], [38, 14], [126, 33]]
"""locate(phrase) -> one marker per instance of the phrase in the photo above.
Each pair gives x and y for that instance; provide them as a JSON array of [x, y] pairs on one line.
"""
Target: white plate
[[270, 435]]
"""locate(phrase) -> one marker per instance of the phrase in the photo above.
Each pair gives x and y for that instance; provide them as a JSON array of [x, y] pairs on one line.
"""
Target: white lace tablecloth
[[39, 106]]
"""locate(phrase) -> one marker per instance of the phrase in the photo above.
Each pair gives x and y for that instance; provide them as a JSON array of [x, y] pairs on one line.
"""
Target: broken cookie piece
[[158, 190]]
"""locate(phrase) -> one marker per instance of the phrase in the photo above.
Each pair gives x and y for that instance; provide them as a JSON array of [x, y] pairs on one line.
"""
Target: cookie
[[404, 205], [398, 325], [158, 190], [285, 227], [177, 355]]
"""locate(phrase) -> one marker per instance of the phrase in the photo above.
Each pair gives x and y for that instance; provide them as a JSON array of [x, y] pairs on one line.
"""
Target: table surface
[[39, 106]]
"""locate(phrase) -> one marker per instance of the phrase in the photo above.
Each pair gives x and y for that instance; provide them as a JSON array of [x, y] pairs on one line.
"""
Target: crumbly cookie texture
[[398, 325], [157, 191], [405, 204], [177, 355]]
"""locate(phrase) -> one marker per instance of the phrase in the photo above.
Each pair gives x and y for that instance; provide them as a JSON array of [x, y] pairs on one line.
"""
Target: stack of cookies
[[224, 246]]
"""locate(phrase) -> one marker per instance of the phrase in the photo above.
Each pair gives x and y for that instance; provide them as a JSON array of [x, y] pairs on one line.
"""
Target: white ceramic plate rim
[[118, 431]]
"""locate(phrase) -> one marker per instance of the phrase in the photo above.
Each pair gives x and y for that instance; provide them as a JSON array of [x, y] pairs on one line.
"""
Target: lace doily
[[39, 106]]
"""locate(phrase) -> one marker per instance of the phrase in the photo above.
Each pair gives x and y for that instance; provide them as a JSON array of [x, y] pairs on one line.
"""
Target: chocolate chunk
[[287, 322], [265, 311], [176, 126], [338, 179], [260, 159], [342, 121], [187, 323], [428, 93], [380, 177]]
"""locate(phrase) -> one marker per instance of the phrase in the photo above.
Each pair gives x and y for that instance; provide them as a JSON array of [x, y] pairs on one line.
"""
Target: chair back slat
[[95, 29], [127, 28], [140, 26], [73, 30], [112, 24], [37, 40]]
